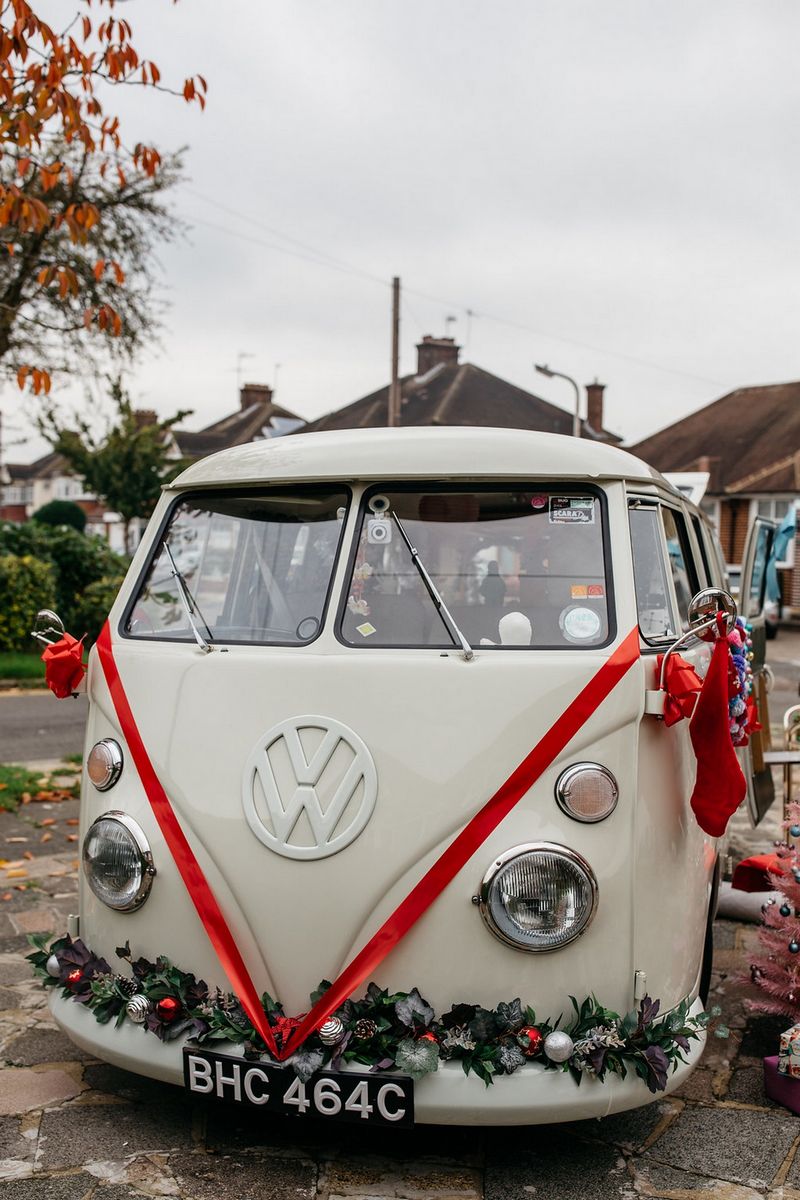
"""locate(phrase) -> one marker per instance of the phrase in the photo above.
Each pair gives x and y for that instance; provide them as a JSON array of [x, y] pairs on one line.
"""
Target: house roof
[[262, 418], [749, 441], [46, 467], [457, 394]]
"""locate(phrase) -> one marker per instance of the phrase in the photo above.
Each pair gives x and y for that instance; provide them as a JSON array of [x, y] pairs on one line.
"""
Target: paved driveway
[[74, 1129]]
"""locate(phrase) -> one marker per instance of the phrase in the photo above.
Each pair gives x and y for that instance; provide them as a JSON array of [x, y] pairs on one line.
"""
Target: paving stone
[[747, 1086], [22, 1089], [103, 1077], [793, 1178], [35, 920], [243, 1177], [14, 970], [628, 1129], [657, 1180], [359, 1177], [9, 998], [699, 1086], [87, 1132], [230, 1127], [67, 1187], [43, 1046], [12, 1143], [738, 1145], [11, 941], [553, 1166]]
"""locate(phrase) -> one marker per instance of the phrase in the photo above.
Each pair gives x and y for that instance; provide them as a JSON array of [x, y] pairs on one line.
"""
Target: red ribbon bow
[[682, 686], [63, 666]]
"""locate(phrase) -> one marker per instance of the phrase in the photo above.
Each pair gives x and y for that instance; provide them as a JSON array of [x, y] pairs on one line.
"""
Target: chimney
[[594, 405], [144, 417], [254, 393], [432, 351]]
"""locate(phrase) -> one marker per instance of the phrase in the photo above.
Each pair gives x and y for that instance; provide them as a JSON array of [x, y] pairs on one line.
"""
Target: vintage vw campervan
[[381, 709]]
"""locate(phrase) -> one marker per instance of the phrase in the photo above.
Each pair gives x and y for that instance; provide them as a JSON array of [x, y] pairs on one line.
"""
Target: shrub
[[26, 585], [77, 561], [93, 605], [61, 512]]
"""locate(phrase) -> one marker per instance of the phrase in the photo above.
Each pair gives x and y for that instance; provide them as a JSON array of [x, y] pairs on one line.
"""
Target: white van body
[[442, 734]]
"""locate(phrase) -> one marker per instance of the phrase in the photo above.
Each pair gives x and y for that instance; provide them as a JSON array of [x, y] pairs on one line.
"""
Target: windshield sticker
[[595, 591], [579, 624], [579, 591], [366, 630], [572, 510], [539, 501]]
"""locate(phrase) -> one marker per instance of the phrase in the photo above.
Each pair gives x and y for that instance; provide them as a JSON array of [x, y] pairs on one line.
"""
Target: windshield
[[516, 567], [256, 568]]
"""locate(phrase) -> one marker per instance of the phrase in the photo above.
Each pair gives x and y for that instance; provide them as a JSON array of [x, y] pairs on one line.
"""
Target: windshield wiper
[[455, 633], [189, 604]]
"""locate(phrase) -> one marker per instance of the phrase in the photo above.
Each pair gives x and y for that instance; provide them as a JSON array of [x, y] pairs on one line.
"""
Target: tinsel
[[385, 1031]]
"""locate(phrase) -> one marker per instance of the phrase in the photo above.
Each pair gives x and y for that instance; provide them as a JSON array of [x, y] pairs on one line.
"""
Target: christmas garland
[[383, 1030]]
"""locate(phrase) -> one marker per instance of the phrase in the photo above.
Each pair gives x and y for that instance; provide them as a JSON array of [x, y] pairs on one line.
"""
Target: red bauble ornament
[[530, 1040], [74, 976], [168, 1009], [428, 1037]]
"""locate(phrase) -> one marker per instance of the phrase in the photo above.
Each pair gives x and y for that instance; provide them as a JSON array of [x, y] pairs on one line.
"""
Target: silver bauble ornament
[[558, 1046], [52, 966], [331, 1031], [137, 1009]]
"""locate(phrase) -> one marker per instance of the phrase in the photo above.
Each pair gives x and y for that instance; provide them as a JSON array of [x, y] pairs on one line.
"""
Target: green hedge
[[26, 585], [77, 562]]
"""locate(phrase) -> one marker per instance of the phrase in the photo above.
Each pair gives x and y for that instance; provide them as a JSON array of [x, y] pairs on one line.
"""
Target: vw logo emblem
[[309, 787]]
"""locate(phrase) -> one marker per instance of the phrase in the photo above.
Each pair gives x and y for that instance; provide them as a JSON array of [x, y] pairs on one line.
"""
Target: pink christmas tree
[[776, 970]]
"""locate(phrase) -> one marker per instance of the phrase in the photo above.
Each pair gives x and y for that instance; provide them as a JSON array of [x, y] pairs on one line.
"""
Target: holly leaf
[[510, 1059], [417, 1058], [320, 990], [306, 1063], [510, 1016], [412, 1011]]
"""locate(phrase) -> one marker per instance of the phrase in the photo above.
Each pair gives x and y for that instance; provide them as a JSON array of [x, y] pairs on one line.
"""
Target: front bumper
[[531, 1096]]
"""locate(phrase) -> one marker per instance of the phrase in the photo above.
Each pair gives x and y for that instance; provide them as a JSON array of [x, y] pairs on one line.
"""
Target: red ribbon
[[63, 666], [421, 896], [191, 873], [471, 838], [682, 686]]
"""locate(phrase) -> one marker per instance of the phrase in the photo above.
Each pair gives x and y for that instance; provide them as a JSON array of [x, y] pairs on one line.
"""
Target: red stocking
[[720, 785]]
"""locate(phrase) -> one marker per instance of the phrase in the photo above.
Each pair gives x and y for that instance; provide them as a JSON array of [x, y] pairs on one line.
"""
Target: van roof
[[415, 453]]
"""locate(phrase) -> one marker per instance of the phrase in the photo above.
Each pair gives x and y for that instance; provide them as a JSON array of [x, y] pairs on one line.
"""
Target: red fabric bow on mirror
[[63, 666], [682, 686]]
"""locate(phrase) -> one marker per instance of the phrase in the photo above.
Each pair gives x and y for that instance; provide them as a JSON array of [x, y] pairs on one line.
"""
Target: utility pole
[[394, 386]]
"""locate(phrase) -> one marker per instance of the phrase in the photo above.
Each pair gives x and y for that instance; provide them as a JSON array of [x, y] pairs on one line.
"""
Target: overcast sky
[[610, 188]]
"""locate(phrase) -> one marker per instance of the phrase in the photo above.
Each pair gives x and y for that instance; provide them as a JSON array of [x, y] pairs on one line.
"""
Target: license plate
[[336, 1095]]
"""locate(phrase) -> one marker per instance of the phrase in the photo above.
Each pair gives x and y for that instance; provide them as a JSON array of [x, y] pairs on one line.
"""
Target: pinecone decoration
[[129, 987], [365, 1029]]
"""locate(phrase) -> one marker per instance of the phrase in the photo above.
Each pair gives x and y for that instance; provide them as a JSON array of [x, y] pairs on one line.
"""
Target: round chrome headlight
[[538, 897], [104, 764], [117, 862], [587, 792]]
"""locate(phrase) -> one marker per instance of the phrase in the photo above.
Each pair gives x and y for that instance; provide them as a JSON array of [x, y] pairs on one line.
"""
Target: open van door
[[752, 597]]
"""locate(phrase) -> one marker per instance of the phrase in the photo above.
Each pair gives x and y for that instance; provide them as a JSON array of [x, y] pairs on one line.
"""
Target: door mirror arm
[[705, 610]]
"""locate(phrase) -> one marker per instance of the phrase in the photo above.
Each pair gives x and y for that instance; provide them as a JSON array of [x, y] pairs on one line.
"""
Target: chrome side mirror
[[48, 627], [704, 609]]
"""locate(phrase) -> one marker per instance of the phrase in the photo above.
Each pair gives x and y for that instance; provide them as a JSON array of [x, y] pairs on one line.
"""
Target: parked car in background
[[772, 608]]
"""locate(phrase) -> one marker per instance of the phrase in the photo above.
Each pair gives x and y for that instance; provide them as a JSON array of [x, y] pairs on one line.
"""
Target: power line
[[320, 258]]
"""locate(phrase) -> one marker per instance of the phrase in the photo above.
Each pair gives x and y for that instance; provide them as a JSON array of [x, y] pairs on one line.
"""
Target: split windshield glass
[[517, 567], [257, 568]]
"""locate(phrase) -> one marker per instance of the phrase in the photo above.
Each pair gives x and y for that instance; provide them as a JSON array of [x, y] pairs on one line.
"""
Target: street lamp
[[543, 369]]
